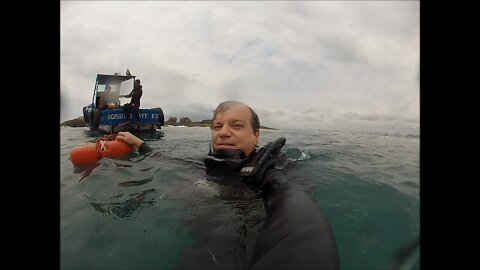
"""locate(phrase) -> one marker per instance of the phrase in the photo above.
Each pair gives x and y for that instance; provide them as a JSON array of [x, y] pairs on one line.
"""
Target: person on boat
[[134, 105], [296, 234], [106, 99]]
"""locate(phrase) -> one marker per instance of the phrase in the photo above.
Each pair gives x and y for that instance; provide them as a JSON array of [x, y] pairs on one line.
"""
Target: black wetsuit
[[134, 104], [296, 234]]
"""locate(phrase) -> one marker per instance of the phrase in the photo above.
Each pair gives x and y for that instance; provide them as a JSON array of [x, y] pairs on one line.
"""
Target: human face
[[232, 129]]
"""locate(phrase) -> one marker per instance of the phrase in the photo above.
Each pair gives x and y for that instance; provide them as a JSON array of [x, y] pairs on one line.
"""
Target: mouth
[[225, 146]]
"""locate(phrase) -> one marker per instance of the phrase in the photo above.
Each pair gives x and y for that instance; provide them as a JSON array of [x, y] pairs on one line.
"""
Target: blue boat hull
[[114, 120]]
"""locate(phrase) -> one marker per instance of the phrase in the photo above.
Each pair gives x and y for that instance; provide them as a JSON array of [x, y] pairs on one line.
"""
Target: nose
[[224, 131]]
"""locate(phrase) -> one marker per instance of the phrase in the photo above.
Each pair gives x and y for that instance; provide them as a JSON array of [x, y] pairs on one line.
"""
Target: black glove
[[263, 160]]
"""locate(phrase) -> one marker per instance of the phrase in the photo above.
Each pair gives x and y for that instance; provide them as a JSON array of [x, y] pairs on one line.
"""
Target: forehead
[[235, 112]]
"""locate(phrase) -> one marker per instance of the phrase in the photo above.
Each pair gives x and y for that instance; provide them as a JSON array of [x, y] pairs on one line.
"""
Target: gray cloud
[[311, 62], [370, 116], [309, 111]]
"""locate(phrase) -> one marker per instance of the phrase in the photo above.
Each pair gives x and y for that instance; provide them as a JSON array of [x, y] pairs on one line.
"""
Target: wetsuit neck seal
[[225, 162]]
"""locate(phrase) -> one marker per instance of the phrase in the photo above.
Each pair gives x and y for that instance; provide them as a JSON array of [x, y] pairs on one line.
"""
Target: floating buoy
[[106, 146]]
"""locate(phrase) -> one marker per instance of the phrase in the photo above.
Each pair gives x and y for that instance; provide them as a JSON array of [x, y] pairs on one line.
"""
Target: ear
[[257, 136]]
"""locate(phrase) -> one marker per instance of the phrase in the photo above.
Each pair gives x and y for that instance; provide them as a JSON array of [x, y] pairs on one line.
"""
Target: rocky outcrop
[[185, 121], [77, 122], [172, 121]]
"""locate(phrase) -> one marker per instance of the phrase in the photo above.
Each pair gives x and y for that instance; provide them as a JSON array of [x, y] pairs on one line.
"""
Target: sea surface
[[158, 211]]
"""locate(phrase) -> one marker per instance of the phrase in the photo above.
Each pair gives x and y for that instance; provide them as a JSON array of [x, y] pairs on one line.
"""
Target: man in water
[[295, 235]]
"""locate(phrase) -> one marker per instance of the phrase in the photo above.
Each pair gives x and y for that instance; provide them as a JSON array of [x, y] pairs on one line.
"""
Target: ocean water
[[158, 211]]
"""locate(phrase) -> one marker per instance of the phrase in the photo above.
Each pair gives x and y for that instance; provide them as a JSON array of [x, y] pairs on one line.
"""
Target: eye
[[237, 125], [217, 127]]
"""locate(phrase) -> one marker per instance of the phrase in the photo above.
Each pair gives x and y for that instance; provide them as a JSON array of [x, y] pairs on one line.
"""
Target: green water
[[159, 212]]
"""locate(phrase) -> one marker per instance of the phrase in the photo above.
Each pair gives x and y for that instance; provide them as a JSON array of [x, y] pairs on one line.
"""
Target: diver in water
[[296, 234]]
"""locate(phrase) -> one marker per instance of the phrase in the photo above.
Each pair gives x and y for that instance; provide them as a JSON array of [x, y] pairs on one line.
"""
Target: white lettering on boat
[[114, 116]]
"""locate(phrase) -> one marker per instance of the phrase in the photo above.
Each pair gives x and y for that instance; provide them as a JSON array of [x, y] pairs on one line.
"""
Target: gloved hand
[[263, 160]]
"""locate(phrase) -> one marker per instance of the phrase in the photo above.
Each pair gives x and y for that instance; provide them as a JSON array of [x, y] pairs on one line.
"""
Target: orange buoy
[[84, 154], [106, 146]]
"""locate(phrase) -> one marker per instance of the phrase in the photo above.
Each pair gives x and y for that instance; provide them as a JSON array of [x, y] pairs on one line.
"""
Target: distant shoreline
[[185, 122], [208, 126]]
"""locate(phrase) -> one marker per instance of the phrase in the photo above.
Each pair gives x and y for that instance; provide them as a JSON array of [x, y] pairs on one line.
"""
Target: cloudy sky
[[307, 65]]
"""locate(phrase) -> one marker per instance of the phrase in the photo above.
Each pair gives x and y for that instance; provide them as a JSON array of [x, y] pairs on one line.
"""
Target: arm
[[296, 234], [127, 96], [133, 140], [102, 103]]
